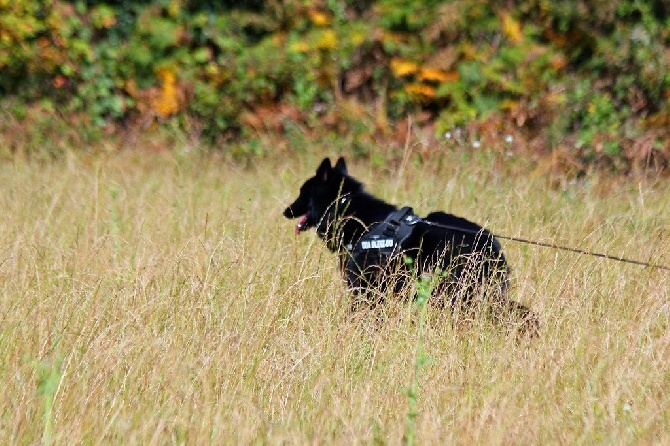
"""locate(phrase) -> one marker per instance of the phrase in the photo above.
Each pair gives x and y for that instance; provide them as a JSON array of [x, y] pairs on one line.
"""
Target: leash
[[549, 245]]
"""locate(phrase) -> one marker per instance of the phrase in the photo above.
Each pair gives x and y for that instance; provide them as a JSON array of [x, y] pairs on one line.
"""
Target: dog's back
[[471, 256]]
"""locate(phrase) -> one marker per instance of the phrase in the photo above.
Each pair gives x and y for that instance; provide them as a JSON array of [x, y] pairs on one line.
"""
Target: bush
[[589, 77]]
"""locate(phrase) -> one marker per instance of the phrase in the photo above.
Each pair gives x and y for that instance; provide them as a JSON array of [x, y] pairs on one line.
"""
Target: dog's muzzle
[[302, 224]]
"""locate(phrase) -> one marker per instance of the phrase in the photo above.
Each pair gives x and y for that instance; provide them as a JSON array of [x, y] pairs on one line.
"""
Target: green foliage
[[49, 376], [596, 71]]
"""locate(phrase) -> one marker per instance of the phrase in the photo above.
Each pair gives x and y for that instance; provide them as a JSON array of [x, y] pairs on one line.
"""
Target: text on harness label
[[381, 243]]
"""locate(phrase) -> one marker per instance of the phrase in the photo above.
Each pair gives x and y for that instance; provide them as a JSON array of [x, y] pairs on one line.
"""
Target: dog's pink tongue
[[301, 224]]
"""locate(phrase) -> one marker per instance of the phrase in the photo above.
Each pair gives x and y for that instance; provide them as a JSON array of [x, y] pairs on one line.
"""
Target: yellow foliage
[[327, 40], [319, 18], [174, 8], [298, 47], [511, 28], [469, 51], [393, 37], [109, 21], [167, 101], [425, 91], [403, 67], [5, 37], [432, 74], [556, 97], [358, 37], [509, 105], [131, 88]]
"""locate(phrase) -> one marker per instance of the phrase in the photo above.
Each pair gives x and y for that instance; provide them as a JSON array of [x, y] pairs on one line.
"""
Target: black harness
[[386, 239]]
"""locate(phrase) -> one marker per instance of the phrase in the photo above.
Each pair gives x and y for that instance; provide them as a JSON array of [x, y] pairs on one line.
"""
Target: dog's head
[[318, 194]]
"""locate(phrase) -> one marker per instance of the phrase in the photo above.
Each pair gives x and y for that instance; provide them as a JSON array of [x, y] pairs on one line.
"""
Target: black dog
[[375, 240]]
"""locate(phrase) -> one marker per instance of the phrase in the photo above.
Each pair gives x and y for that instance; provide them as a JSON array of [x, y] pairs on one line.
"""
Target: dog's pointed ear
[[341, 166], [324, 171]]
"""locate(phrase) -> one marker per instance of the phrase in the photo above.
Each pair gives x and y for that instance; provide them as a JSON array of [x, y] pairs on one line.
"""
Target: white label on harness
[[377, 244]]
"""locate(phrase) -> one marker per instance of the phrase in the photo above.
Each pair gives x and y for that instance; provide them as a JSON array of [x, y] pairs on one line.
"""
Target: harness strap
[[387, 237]]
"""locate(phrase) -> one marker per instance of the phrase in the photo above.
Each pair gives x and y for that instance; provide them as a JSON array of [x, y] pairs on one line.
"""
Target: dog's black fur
[[336, 205]]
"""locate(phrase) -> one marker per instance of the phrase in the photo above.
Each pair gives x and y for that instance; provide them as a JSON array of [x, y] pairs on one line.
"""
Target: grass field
[[156, 299]]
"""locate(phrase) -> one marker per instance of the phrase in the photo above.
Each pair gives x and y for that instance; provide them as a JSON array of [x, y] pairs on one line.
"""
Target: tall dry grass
[[159, 300]]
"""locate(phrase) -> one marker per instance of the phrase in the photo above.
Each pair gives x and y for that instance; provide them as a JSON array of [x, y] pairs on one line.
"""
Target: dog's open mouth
[[301, 225]]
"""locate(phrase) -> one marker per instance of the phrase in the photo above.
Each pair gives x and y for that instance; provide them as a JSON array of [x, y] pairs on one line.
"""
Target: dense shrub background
[[588, 79]]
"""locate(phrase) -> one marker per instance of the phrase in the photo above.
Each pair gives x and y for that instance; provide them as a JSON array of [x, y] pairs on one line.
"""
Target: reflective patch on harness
[[377, 244]]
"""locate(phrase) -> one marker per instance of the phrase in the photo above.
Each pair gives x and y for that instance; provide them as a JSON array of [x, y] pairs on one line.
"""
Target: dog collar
[[333, 208]]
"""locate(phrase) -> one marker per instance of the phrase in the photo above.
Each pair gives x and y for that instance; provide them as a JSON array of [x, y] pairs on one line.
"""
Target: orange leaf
[[167, 102], [319, 18], [420, 90], [558, 62], [59, 81], [403, 67], [431, 74]]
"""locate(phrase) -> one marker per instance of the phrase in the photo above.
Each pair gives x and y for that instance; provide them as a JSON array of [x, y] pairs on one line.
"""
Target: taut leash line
[[550, 245]]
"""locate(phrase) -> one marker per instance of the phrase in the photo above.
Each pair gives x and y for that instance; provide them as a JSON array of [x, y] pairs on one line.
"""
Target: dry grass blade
[[174, 305]]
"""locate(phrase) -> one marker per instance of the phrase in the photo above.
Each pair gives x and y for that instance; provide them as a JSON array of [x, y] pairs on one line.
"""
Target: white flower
[[476, 144]]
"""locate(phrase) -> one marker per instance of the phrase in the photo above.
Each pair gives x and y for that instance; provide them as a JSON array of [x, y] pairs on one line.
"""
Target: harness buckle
[[391, 229]]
